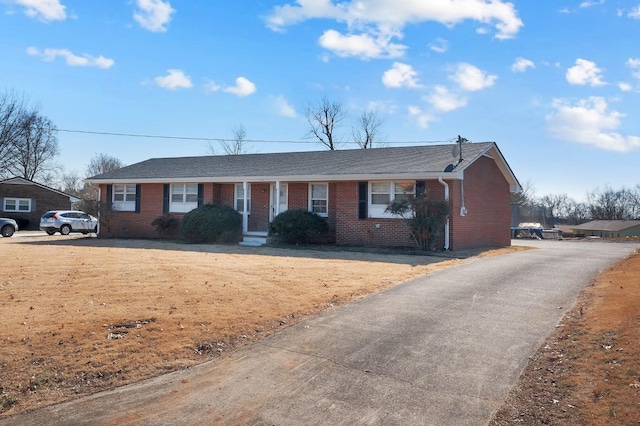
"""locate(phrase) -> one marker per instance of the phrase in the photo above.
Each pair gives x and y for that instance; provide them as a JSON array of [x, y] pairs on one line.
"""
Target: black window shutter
[[200, 194], [109, 199], [138, 188], [165, 198], [421, 188], [362, 199], [33, 204]]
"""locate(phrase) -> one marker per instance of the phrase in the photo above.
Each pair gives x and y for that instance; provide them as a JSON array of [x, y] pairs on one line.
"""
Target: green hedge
[[299, 227], [212, 223]]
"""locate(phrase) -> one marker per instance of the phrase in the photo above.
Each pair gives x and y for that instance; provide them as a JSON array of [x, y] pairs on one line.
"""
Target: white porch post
[[277, 212], [245, 213]]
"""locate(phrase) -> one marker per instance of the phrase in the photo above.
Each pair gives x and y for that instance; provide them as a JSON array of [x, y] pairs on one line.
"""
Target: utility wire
[[134, 135]]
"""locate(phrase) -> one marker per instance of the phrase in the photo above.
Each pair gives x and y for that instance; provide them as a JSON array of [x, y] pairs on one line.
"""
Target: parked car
[[7, 226], [67, 221]]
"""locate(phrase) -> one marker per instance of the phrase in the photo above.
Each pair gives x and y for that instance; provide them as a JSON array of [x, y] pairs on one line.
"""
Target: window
[[17, 205], [184, 197], [124, 197], [319, 198], [239, 197], [382, 193]]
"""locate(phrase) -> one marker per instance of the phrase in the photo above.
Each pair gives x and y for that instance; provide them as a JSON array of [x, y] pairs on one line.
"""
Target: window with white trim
[[183, 197], [382, 193], [238, 200], [17, 205], [319, 198], [124, 197]]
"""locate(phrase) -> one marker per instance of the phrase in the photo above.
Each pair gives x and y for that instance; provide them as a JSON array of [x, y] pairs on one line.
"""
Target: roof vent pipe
[[446, 225]]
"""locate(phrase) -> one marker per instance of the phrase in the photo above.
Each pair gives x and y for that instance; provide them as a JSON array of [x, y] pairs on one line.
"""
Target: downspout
[[245, 213], [99, 209], [446, 225]]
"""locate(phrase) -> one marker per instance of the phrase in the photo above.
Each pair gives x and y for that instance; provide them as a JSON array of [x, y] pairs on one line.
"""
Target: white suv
[[67, 221]]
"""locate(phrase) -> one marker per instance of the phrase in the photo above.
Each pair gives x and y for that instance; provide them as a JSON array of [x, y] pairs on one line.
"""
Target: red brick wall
[[486, 224], [488, 203], [367, 232], [45, 200]]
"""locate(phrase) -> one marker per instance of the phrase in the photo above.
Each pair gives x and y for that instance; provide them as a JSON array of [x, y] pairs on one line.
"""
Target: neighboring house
[[350, 188], [608, 229], [26, 200]]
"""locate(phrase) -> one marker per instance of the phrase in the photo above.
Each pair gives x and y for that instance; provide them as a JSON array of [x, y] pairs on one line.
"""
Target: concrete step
[[255, 240]]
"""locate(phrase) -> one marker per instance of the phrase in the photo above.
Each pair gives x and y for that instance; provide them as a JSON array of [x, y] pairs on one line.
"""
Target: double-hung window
[[17, 205], [238, 200], [124, 197], [184, 197], [382, 193], [319, 198]]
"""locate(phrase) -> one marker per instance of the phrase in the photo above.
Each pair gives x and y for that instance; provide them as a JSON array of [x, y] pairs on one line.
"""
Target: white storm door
[[278, 203]]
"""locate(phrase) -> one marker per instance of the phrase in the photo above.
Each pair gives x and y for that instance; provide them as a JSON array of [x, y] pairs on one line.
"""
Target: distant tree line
[[560, 209]]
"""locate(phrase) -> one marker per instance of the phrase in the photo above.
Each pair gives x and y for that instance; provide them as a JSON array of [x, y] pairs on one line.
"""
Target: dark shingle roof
[[607, 225], [318, 164]]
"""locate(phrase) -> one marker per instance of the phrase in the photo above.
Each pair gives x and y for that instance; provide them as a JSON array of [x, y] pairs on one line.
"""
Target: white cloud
[[49, 55], [175, 79], [472, 78], [283, 107], [522, 64], [625, 87], [590, 3], [634, 64], [243, 87], [211, 86], [634, 13], [389, 17], [153, 15], [46, 10], [585, 72], [400, 75], [423, 118], [444, 100], [590, 122], [365, 46], [440, 45]]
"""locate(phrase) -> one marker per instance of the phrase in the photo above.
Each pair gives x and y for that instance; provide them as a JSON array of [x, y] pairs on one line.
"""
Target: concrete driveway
[[440, 350]]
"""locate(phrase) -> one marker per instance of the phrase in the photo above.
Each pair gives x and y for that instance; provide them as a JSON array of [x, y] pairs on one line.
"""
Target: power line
[[135, 135]]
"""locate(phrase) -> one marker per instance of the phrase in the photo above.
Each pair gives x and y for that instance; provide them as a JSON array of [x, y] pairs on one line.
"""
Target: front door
[[278, 203]]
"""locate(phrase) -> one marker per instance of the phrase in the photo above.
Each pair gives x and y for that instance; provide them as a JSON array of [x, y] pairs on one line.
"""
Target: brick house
[[351, 188], [26, 201]]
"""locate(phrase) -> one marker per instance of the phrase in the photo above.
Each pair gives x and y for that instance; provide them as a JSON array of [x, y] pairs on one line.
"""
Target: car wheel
[[50, 232], [65, 229], [7, 231]]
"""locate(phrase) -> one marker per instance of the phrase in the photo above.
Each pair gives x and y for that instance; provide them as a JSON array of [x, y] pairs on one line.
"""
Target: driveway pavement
[[444, 349]]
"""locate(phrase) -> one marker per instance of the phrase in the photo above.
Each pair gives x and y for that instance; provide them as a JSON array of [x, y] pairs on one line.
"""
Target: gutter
[[446, 225]]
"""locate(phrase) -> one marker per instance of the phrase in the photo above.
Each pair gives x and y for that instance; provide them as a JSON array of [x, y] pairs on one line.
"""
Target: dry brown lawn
[[83, 314]]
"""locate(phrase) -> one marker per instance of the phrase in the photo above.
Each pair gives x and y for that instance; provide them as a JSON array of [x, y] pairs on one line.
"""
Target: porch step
[[255, 239]]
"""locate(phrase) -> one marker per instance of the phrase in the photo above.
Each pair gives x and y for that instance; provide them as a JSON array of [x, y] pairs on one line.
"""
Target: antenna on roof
[[457, 148]]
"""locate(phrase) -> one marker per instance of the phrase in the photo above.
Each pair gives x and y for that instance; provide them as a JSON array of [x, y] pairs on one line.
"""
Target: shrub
[[212, 223], [166, 225], [298, 227], [425, 218]]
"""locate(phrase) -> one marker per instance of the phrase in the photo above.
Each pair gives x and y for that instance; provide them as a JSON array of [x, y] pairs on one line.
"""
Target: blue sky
[[556, 83]]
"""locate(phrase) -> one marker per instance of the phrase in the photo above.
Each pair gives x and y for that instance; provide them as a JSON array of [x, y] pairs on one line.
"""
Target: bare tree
[[71, 183], [12, 108], [609, 204], [366, 132], [35, 147], [103, 163], [236, 146], [324, 117]]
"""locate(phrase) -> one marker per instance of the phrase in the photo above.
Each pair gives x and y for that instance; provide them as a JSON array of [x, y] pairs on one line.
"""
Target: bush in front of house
[[212, 223], [299, 227], [166, 225]]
